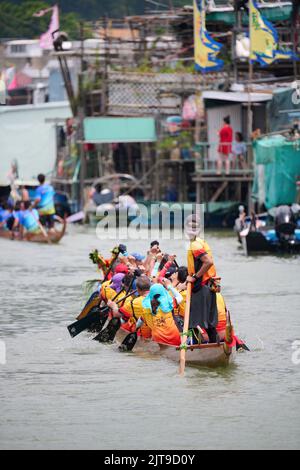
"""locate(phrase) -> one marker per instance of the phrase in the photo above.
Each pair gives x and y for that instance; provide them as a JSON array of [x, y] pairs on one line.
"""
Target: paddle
[[78, 217], [99, 324], [45, 234], [185, 329], [109, 334], [91, 303], [81, 325], [130, 341]]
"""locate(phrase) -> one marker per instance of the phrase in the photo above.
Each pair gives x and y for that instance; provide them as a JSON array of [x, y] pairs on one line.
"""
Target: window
[[18, 48]]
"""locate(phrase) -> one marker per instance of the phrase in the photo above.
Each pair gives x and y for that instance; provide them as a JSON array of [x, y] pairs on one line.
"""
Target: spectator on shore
[[225, 146]]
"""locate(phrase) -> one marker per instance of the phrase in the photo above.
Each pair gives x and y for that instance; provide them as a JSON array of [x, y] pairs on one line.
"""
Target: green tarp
[[281, 161], [283, 110], [119, 130]]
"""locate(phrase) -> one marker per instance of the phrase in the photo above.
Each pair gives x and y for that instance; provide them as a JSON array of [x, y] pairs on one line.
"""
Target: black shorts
[[47, 221], [10, 222]]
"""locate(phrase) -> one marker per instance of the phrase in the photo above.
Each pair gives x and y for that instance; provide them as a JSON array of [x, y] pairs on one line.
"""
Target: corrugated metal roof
[[237, 97]]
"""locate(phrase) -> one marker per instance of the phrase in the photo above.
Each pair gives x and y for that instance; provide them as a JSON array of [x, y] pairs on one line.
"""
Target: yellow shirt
[[135, 308], [181, 306], [108, 293], [221, 308]]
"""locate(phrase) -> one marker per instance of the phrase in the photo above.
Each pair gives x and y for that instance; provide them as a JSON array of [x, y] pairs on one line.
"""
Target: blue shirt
[[29, 219], [45, 193], [4, 215]]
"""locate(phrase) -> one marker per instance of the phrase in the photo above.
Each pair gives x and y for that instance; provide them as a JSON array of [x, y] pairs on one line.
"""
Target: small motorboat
[[284, 237]]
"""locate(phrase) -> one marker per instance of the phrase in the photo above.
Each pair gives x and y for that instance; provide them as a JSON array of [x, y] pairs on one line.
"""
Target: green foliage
[[17, 20], [183, 140]]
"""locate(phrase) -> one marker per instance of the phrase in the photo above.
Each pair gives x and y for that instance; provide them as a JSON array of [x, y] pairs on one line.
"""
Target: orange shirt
[[164, 329]]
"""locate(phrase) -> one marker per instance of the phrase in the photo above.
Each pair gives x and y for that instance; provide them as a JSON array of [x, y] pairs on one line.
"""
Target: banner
[[206, 48], [264, 39], [11, 78], [46, 39]]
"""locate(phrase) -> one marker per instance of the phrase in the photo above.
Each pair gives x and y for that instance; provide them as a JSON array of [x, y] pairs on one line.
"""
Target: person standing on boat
[[203, 276], [44, 202]]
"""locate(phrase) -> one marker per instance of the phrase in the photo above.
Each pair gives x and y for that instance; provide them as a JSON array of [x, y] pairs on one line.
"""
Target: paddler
[[202, 274], [178, 278], [159, 304], [7, 217], [28, 219], [112, 289], [133, 313]]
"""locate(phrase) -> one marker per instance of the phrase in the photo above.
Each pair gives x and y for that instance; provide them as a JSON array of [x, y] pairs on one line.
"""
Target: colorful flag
[[11, 78], [206, 48], [264, 39], [46, 39]]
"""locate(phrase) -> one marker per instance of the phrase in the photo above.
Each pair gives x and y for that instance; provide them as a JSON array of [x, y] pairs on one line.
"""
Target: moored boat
[[267, 241], [283, 237]]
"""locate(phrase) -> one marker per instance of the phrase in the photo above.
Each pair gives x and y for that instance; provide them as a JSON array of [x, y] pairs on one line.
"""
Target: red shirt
[[226, 139]]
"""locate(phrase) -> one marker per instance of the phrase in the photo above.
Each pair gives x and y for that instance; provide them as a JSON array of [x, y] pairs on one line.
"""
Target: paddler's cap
[[121, 249], [121, 269], [137, 256]]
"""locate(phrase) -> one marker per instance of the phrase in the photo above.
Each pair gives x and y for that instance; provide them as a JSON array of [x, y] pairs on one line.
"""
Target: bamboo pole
[[185, 329]]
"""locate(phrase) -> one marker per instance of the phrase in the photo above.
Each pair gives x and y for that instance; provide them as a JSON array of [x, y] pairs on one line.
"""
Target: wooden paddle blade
[[129, 342], [83, 324], [109, 333]]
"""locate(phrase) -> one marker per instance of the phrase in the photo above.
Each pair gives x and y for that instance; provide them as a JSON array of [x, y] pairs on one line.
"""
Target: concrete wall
[[25, 136]]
